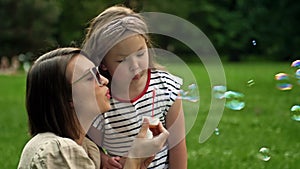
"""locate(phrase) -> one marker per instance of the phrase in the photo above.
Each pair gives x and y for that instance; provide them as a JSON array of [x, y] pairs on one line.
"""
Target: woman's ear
[[71, 103], [103, 67]]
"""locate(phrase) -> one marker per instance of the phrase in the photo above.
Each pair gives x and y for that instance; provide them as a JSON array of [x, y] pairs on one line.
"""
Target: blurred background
[[239, 29]]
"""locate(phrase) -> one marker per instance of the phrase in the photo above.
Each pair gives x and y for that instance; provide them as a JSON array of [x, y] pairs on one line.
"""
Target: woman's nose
[[104, 80]]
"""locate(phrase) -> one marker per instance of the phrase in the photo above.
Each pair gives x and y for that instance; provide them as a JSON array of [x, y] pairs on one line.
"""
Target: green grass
[[264, 122], [13, 120]]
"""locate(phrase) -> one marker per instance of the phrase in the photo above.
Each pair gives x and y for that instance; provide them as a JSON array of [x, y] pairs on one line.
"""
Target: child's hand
[[92, 150], [108, 162]]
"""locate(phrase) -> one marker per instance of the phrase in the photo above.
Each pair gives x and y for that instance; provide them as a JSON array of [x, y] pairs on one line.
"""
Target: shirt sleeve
[[61, 154], [173, 84]]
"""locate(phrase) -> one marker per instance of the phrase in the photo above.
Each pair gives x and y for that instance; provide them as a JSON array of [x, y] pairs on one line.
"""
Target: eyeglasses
[[96, 74]]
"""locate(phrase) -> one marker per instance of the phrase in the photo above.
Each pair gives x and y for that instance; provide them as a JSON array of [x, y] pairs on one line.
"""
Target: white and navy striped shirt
[[121, 124]]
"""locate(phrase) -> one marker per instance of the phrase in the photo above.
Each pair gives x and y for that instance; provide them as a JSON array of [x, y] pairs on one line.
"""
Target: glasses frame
[[96, 75]]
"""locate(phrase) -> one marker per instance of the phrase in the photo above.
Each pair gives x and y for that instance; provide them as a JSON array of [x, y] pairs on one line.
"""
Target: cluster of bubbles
[[234, 100], [190, 94], [284, 83], [284, 80]]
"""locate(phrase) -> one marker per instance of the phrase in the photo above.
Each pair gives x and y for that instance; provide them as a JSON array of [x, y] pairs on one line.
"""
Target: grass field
[[264, 122]]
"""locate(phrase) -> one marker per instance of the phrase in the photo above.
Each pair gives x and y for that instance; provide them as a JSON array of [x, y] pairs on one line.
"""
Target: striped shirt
[[121, 124]]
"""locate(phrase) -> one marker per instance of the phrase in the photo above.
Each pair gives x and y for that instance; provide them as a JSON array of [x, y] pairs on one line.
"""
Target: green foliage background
[[39, 25]]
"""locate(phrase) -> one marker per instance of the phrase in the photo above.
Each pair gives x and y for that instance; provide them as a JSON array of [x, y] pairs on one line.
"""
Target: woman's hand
[[143, 149]]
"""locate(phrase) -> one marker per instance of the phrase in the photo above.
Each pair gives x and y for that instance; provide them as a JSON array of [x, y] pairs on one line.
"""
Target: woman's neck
[[80, 139]]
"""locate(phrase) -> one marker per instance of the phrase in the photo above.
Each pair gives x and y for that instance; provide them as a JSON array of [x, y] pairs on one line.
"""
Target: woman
[[62, 100]]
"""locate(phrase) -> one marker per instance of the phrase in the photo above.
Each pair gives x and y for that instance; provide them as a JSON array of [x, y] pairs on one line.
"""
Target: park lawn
[[264, 122]]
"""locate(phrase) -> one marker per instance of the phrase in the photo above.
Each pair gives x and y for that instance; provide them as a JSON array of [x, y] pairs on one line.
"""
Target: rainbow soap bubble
[[283, 81], [296, 64], [295, 113], [297, 74], [234, 100]]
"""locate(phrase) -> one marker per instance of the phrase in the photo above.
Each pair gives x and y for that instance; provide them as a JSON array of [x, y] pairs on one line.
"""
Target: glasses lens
[[96, 75]]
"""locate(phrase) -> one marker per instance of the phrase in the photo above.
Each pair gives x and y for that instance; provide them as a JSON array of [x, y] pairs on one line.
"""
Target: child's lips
[[108, 94], [136, 77]]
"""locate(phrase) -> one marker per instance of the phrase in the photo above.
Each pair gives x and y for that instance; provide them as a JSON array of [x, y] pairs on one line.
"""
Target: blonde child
[[117, 41]]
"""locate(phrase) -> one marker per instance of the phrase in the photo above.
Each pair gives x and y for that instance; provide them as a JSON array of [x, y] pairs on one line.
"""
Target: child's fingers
[[114, 162]]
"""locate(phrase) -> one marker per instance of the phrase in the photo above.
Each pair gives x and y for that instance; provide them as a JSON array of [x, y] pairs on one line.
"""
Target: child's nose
[[133, 65]]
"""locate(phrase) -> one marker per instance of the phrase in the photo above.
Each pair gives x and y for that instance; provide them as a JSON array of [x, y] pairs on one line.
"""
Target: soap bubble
[[264, 154], [297, 74], [219, 91], [234, 100], [295, 112], [296, 64], [283, 81], [191, 94], [217, 132], [250, 82]]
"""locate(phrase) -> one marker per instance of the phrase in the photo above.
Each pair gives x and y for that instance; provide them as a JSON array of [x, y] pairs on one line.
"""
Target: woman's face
[[85, 99]]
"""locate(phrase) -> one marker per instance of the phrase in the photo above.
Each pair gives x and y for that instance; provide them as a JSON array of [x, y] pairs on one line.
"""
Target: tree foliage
[[27, 25], [231, 25]]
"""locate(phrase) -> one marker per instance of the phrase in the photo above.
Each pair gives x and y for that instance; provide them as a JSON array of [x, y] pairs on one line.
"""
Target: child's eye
[[140, 54]]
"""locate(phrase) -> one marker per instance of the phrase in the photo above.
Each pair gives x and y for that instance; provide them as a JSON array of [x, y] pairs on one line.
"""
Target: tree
[[27, 25]]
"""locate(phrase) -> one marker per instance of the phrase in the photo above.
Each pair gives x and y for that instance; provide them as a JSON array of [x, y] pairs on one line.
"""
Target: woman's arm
[[176, 127]]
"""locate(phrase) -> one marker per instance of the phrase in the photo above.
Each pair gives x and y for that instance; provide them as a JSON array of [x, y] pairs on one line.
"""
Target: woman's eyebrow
[[86, 72]]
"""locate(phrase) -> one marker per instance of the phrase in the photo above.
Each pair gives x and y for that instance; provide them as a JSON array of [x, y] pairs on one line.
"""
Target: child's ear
[[103, 67]]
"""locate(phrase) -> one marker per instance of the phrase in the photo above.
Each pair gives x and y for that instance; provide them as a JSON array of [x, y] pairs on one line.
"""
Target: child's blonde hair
[[112, 26]]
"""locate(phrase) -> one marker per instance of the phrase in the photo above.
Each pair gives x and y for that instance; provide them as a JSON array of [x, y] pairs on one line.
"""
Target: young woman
[[62, 100]]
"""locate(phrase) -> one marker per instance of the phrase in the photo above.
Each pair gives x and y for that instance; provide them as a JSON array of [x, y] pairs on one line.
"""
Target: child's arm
[[176, 127], [106, 160]]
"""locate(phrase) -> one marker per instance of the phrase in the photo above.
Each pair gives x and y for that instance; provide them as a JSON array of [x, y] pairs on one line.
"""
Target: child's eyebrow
[[125, 55]]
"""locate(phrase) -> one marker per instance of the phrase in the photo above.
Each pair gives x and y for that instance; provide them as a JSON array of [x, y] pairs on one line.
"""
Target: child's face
[[128, 59]]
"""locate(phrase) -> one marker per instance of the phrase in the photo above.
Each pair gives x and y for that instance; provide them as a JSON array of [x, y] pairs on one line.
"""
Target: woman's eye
[[90, 78], [120, 61]]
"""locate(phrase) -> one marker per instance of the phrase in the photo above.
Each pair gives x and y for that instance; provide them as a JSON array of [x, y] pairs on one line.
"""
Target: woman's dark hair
[[49, 95]]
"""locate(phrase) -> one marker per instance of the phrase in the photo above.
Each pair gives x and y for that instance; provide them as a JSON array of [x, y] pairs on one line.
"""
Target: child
[[117, 40]]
